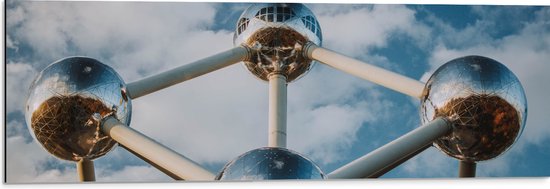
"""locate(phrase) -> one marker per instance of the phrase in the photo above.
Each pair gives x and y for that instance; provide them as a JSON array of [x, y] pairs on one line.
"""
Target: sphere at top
[[276, 33], [485, 102], [66, 103], [270, 163]]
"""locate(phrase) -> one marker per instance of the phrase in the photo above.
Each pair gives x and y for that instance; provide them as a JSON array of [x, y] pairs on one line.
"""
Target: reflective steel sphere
[[66, 103], [484, 101], [276, 33], [270, 163]]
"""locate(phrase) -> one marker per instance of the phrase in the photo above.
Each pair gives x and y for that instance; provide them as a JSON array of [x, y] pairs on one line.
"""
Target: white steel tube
[[153, 151], [186, 72], [366, 71], [393, 152], [397, 163], [85, 169], [277, 110]]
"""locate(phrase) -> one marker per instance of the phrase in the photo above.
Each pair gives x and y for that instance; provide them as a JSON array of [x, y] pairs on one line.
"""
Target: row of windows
[[275, 14], [312, 25], [241, 26], [280, 14]]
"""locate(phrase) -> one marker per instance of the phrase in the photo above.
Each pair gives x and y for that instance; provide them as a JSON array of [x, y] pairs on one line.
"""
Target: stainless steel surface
[[378, 161], [485, 101], [270, 163], [66, 102], [276, 33]]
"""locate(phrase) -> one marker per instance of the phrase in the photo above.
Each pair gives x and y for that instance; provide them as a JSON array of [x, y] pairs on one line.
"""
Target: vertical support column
[[277, 110], [466, 169], [85, 170]]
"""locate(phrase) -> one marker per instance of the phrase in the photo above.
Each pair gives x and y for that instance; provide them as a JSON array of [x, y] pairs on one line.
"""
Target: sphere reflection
[[276, 33], [484, 100], [66, 103], [270, 163]]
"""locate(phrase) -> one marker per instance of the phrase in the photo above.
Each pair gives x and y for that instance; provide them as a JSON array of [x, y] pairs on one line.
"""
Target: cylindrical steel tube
[[391, 153], [186, 72], [153, 151], [277, 110], [85, 170], [386, 169], [366, 71], [466, 169]]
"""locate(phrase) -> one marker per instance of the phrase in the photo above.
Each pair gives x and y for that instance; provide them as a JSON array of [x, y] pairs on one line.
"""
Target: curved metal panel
[[66, 103], [270, 163], [276, 32], [485, 101]]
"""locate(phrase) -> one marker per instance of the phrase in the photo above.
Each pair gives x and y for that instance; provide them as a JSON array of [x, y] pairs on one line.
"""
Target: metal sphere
[[66, 103], [485, 102], [276, 33], [270, 163]]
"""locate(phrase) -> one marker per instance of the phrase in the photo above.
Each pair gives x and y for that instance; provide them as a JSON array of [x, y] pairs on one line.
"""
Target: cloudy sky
[[333, 118]]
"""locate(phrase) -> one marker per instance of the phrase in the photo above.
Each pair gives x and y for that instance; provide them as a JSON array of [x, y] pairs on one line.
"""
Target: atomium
[[276, 33], [485, 102], [270, 163], [66, 103], [473, 108]]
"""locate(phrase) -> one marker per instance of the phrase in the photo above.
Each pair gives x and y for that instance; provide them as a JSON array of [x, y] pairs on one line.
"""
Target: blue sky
[[333, 118]]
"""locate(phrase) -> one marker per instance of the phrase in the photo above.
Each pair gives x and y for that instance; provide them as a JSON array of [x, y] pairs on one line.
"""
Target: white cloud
[[353, 30], [19, 77], [27, 163], [132, 173], [14, 16], [330, 130], [434, 163], [57, 176], [138, 34], [431, 163], [10, 44]]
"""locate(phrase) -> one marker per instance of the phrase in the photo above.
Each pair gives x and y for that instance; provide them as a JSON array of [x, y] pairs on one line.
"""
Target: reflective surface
[[276, 33], [483, 99], [270, 163], [66, 102]]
